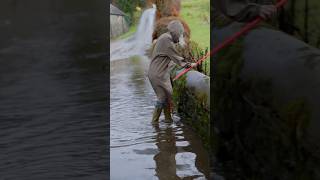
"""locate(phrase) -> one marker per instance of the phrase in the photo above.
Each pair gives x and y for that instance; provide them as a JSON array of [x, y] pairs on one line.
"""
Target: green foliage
[[193, 109], [228, 64], [132, 30], [129, 7], [296, 115], [298, 19], [196, 53]]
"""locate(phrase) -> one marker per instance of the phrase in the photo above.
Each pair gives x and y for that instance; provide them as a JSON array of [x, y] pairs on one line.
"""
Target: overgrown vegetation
[[194, 108], [129, 7], [303, 20], [196, 54], [196, 13]]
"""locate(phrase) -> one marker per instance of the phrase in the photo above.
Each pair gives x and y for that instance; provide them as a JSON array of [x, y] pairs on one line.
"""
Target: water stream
[[140, 150], [139, 42]]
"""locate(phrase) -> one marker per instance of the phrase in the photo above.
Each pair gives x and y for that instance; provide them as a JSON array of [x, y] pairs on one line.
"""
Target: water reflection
[[140, 150], [53, 118], [165, 160]]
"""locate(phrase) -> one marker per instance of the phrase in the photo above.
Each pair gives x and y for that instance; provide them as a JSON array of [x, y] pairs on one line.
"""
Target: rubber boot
[[167, 113], [156, 114]]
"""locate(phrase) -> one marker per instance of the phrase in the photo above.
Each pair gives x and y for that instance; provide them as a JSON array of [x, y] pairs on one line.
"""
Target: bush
[[197, 53]]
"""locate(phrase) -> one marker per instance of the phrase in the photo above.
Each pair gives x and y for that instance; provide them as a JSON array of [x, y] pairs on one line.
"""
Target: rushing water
[[139, 42], [140, 150], [53, 119]]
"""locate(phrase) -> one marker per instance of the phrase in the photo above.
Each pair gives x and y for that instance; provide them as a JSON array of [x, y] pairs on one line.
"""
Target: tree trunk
[[149, 3], [167, 8]]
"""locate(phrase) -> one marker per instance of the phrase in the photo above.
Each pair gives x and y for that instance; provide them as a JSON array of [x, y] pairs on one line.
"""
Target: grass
[[197, 15], [132, 30]]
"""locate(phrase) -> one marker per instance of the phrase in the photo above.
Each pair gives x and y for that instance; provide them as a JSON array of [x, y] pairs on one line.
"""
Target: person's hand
[[193, 65], [267, 11]]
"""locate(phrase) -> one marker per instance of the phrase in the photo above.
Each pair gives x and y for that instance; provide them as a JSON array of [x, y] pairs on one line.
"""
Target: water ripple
[[141, 150]]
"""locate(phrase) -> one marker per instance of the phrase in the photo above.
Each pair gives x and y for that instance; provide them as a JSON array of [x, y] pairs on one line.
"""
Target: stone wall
[[192, 101], [266, 106], [118, 25]]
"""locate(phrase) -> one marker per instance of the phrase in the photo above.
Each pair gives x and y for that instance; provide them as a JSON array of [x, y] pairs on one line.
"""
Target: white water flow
[[139, 42]]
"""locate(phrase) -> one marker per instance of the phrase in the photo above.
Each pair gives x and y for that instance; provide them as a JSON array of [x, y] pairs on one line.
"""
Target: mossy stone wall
[[191, 95], [260, 131]]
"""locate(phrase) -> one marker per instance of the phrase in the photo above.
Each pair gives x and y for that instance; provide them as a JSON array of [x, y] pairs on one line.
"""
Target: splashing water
[[139, 42]]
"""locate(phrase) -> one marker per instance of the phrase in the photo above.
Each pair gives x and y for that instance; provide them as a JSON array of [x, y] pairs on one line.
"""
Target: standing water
[[140, 150], [53, 118]]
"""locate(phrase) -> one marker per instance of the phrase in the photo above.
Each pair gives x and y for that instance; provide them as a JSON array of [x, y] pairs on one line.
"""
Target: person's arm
[[243, 11], [238, 10], [176, 58]]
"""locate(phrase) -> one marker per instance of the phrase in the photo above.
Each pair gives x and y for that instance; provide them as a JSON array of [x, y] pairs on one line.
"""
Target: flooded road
[[140, 150], [139, 42], [53, 94]]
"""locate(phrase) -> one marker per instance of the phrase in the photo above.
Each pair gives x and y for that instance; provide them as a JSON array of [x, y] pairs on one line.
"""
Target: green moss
[[135, 59], [296, 116], [193, 109], [262, 135], [228, 64], [131, 31]]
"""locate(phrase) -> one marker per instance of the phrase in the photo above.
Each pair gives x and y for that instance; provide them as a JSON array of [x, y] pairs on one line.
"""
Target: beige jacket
[[164, 53]]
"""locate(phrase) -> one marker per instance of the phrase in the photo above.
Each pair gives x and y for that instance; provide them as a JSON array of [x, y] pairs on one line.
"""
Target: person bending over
[[163, 54]]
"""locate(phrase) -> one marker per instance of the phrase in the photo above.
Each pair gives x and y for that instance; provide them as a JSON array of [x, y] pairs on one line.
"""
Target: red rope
[[230, 40]]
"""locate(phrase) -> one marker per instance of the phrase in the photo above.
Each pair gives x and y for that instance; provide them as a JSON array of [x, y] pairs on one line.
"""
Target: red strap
[[231, 39]]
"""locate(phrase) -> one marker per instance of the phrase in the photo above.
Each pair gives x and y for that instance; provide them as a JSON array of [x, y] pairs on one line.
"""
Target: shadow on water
[[53, 92], [140, 150]]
